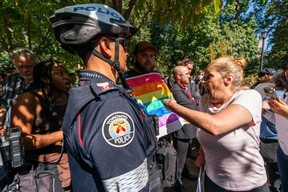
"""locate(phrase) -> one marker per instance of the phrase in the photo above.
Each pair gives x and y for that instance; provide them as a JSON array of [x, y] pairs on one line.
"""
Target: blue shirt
[[268, 129]]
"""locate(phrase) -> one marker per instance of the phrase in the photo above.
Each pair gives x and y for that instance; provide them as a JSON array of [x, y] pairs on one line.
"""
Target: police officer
[[107, 136]]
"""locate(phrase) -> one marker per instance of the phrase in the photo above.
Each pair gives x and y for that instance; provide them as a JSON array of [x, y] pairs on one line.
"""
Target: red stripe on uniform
[[79, 130]]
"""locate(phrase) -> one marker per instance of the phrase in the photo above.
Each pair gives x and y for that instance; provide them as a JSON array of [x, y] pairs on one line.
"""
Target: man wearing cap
[[264, 76], [267, 71], [144, 59], [268, 133], [144, 63]]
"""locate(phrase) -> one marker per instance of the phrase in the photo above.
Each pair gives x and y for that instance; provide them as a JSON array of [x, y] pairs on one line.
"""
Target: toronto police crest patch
[[118, 129]]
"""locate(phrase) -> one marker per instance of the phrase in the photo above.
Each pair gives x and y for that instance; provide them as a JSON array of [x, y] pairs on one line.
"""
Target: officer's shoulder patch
[[118, 129]]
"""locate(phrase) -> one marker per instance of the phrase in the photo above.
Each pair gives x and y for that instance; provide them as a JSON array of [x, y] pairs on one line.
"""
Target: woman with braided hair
[[39, 113], [229, 125]]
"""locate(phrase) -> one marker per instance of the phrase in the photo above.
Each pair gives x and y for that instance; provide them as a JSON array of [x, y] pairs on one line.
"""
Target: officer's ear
[[105, 47]]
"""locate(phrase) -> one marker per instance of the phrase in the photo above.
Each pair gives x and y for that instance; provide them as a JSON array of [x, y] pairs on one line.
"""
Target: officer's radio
[[11, 147]]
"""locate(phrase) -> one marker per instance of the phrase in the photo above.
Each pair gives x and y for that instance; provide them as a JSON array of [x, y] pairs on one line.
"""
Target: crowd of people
[[93, 136]]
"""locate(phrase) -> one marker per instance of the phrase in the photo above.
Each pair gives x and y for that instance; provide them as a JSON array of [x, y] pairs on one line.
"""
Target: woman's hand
[[170, 104], [278, 106]]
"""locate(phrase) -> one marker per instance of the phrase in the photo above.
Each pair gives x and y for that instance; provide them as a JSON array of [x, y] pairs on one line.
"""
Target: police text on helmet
[[99, 10]]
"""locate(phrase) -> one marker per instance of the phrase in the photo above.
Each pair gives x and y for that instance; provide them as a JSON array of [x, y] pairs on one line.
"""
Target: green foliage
[[277, 24], [250, 80], [190, 28], [172, 12], [214, 36], [26, 23], [4, 61]]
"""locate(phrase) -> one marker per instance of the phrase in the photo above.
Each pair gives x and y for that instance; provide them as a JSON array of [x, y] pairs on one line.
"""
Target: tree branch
[[128, 11]]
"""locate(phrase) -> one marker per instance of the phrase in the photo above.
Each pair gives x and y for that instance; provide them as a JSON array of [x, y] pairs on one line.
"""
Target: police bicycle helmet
[[76, 28]]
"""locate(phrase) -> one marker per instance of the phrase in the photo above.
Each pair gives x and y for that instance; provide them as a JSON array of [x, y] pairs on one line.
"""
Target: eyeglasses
[[122, 41]]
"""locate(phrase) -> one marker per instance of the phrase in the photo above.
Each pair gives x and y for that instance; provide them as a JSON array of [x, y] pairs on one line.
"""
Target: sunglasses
[[122, 41]]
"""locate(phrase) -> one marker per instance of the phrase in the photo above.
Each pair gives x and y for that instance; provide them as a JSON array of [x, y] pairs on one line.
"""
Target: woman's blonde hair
[[229, 65]]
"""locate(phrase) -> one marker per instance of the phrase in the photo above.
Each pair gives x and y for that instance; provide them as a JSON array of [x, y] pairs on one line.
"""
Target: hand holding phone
[[270, 92]]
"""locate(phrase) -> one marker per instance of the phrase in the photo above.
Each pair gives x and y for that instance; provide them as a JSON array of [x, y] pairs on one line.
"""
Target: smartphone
[[270, 92]]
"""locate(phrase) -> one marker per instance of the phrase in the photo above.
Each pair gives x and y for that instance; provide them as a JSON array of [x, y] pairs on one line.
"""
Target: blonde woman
[[229, 124]]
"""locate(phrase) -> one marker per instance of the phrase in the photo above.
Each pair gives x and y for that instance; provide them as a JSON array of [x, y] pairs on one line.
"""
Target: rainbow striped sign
[[150, 90]]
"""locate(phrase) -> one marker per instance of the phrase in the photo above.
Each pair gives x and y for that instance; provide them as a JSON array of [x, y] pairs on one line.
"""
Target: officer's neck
[[100, 66]]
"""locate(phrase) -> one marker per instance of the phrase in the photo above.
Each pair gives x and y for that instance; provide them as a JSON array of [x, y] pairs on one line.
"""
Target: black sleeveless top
[[46, 121]]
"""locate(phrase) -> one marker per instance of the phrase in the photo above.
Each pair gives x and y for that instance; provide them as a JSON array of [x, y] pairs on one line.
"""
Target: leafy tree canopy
[[214, 36], [26, 23], [277, 24]]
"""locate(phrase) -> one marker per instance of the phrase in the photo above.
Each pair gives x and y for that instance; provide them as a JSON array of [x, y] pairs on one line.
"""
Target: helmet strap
[[114, 63]]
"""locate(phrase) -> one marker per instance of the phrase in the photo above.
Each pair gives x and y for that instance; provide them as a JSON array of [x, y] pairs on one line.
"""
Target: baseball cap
[[267, 71], [143, 45]]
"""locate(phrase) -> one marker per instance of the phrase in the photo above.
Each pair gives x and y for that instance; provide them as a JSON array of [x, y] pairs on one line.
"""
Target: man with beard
[[24, 60], [182, 137], [145, 79], [144, 59]]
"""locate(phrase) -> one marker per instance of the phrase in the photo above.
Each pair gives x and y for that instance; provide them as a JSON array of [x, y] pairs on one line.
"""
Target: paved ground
[[189, 185]]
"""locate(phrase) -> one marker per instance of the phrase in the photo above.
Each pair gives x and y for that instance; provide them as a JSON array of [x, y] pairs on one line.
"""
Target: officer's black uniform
[[107, 137]]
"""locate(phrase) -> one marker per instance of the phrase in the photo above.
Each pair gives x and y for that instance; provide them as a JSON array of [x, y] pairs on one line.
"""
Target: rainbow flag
[[150, 90]]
